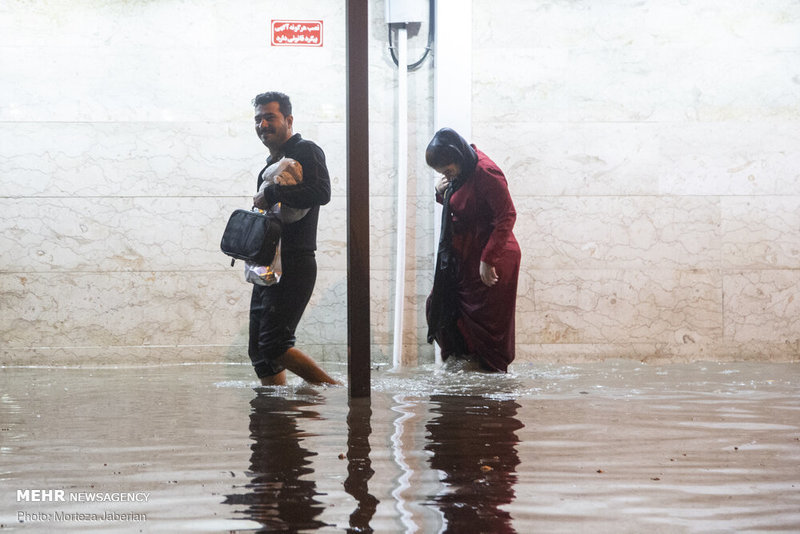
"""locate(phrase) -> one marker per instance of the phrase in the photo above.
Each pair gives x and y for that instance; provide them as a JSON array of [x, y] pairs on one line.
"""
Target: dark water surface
[[611, 447]]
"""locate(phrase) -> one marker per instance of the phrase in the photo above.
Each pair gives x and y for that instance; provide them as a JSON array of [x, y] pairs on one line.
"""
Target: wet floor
[[612, 447]]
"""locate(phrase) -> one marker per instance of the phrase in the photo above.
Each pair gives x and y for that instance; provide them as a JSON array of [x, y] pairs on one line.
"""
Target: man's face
[[271, 126]]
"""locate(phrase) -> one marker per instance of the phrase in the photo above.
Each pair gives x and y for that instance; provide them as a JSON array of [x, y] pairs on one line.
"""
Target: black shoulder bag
[[252, 236]]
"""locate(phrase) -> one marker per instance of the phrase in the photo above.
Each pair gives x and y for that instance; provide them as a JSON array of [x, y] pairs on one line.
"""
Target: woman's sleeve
[[493, 187]]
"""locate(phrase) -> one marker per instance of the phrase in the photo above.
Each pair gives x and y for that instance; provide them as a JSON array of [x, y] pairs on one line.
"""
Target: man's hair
[[283, 101]]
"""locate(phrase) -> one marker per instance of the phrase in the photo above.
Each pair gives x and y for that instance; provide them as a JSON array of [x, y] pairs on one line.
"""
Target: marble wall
[[127, 139], [650, 149]]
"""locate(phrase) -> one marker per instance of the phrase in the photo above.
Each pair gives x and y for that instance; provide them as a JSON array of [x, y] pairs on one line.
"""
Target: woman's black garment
[[442, 305], [442, 309]]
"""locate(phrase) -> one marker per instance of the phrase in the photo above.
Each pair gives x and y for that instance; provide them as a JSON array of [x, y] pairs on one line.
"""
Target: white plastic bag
[[285, 171], [264, 275]]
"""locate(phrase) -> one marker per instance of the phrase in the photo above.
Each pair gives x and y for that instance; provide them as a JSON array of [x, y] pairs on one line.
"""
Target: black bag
[[252, 236]]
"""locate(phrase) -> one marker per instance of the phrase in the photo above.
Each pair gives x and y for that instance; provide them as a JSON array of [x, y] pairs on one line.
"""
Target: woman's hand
[[488, 274], [442, 185]]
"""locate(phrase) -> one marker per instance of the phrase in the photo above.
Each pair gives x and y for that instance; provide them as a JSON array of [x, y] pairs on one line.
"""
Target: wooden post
[[358, 306]]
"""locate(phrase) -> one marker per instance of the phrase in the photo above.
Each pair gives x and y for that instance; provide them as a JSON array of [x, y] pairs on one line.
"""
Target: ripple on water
[[620, 446]]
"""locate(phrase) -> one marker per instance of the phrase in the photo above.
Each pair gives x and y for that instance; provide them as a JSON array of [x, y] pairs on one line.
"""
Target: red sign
[[296, 33]]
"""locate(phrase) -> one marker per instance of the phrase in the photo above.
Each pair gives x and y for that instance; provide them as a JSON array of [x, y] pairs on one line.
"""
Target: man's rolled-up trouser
[[276, 310]]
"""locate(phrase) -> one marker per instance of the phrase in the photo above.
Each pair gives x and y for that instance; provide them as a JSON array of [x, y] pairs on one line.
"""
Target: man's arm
[[314, 190]]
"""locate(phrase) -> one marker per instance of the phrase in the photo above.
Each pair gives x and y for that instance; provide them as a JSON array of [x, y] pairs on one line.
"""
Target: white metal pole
[[452, 84], [402, 177]]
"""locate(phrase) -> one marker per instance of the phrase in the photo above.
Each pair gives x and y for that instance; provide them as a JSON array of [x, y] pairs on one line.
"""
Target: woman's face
[[449, 171]]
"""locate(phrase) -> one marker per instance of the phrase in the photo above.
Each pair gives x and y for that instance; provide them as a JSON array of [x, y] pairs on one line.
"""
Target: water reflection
[[473, 442], [359, 466], [278, 495]]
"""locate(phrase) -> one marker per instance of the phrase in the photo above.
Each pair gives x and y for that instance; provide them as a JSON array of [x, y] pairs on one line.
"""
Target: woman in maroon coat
[[471, 308]]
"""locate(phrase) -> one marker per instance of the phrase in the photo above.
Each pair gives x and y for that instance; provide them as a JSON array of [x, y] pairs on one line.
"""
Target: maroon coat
[[482, 219]]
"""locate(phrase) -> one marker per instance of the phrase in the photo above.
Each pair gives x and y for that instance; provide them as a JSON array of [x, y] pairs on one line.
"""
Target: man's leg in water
[[303, 366], [274, 380]]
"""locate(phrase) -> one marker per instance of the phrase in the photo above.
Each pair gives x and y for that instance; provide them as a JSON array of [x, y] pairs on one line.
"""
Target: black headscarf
[[448, 147]]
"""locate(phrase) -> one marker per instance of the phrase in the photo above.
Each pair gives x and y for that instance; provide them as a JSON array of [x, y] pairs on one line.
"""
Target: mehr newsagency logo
[[62, 496], [58, 495]]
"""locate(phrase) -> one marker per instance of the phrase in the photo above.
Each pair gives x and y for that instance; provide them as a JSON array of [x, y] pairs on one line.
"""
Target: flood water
[[608, 447]]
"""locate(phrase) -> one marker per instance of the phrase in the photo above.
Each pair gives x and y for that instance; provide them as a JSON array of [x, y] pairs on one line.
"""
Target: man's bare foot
[[306, 368]]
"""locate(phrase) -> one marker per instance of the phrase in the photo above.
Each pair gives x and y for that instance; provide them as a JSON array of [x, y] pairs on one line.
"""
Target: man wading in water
[[276, 310]]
